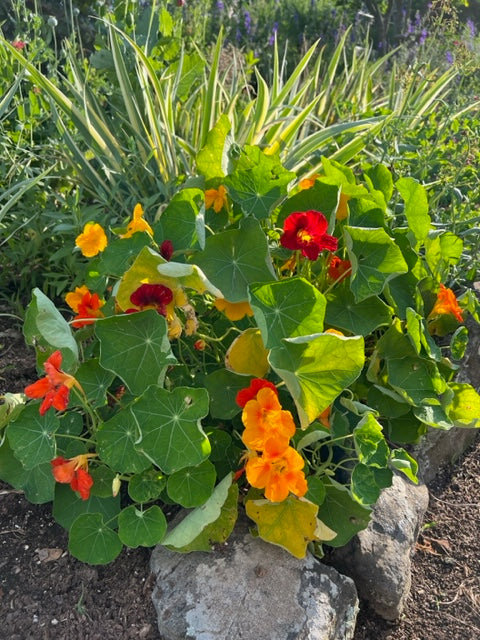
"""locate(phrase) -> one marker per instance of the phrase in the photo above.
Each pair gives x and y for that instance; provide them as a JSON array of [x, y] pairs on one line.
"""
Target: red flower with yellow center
[[338, 269], [85, 305], [74, 472], [264, 419], [306, 231], [151, 296], [250, 393], [55, 387], [446, 304], [278, 470]]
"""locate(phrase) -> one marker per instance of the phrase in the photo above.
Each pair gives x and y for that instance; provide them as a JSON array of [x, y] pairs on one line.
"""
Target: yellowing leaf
[[291, 524], [247, 355], [465, 407]]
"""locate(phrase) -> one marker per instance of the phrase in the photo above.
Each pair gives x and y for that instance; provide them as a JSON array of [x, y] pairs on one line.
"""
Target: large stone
[[378, 558], [250, 590]]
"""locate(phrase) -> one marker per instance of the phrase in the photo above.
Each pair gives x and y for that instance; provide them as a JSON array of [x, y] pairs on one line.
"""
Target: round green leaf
[[115, 444], [31, 436], [138, 528], [136, 348], [192, 486], [67, 506], [147, 485], [92, 541]]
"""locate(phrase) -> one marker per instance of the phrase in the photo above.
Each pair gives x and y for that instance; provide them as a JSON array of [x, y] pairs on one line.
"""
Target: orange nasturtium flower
[[307, 183], [278, 470], [137, 223], [92, 240], [446, 304], [339, 269], [265, 420], [250, 392], [234, 310], [74, 472], [216, 198], [85, 304], [55, 387]]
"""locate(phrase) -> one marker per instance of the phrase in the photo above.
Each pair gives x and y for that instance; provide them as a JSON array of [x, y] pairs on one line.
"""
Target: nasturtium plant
[[263, 343]]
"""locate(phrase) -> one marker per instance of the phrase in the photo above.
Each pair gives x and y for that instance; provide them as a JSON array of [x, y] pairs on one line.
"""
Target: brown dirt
[[45, 593]]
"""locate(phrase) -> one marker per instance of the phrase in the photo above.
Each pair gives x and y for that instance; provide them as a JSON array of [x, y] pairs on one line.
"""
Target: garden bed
[[46, 593]]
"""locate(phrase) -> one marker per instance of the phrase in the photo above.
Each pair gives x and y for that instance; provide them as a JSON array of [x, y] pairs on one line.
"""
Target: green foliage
[[151, 387]]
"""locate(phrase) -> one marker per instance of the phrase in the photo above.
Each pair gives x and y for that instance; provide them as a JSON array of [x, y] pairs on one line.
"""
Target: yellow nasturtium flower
[[137, 223], [216, 198], [92, 240], [234, 310], [342, 209], [307, 183]]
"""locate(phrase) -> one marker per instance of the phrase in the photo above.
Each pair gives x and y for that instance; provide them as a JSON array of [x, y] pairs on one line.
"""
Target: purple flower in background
[[417, 19], [220, 5], [423, 36], [271, 40], [248, 22], [410, 28], [471, 27], [449, 57]]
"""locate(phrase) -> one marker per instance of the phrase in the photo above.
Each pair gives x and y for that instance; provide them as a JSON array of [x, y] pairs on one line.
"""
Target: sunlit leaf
[[316, 369], [402, 461], [416, 206], [370, 443], [287, 309], [290, 524], [45, 326], [257, 182], [212, 160], [247, 355], [465, 407]]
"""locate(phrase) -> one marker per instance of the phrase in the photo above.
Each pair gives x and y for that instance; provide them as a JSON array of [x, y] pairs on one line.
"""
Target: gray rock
[[378, 558], [250, 590]]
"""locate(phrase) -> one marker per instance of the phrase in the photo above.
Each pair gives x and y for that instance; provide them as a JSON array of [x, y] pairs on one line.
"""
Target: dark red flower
[[306, 231], [151, 296], [250, 393], [166, 249]]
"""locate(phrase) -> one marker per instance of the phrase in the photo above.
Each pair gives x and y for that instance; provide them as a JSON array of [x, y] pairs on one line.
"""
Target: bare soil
[[45, 593]]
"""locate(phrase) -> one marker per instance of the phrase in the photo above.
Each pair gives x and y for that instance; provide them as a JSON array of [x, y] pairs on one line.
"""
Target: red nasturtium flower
[[85, 304], [446, 304], [74, 472], [250, 393], [151, 296], [18, 44], [338, 269], [166, 249], [55, 387], [306, 231], [264, 419], [278, 470]]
